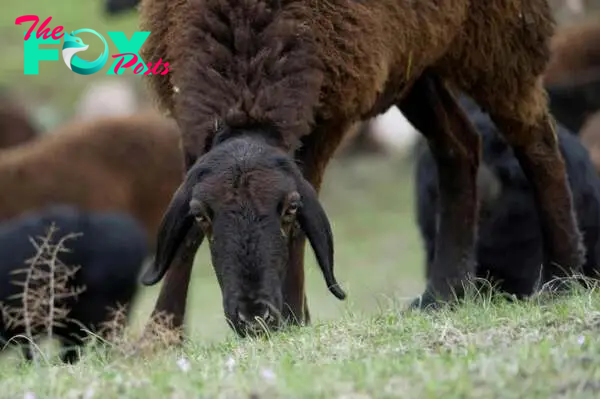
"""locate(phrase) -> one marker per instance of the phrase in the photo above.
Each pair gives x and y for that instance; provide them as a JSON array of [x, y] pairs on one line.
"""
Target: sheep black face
[[249, 199]]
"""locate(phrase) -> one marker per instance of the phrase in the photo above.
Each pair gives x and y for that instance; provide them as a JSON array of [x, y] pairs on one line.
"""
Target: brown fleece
[[15, 125], [132, 163], [312, 68], [575, 52]]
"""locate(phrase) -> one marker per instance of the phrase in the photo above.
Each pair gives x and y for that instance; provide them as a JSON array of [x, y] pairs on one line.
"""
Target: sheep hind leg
[[529, 129], [455, 145]]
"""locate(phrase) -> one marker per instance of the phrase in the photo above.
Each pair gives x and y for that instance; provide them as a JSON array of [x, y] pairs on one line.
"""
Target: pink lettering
[[42, 30], [166, 69], [56, 30], [138, 68], [28, 18], [148, 72], [128, 64]]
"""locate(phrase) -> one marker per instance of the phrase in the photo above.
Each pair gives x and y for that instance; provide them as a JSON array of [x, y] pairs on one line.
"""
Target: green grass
[[364, 347]]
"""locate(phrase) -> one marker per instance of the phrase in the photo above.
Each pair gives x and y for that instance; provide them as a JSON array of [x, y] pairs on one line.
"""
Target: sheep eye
[[290, 212], [198, 210]]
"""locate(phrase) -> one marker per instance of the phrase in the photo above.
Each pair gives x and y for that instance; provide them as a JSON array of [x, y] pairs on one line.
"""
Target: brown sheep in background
[[575, 49], [132, 164], [573, 74], [266, 90], [16, 126]]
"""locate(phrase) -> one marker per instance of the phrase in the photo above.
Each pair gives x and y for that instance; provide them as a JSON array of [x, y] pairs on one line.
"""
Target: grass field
[[365, 347]]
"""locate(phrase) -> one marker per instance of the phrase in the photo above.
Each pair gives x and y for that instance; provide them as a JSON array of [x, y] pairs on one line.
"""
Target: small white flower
[[230, 364], [29, 395], [268, 375], [89, 393], [581, 340], [183, 364]]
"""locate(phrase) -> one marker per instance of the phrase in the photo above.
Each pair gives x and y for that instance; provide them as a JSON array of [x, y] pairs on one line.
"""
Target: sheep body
[[509, 245], [132, 164], [109, 252], [338, 76], [279, 83], [575, 49], [573, 74], [15, 125]]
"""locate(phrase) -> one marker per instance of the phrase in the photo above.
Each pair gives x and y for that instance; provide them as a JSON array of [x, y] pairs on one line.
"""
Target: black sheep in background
[[110, 252], [509, 244], [574, 102], [115, 7]]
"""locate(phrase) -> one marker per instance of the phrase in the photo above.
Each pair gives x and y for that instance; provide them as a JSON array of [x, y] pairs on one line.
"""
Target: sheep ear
[[315, 224], [172, 232]]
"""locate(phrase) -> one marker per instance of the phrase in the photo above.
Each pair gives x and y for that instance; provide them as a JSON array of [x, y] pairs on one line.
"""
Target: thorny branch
[[46, 289]]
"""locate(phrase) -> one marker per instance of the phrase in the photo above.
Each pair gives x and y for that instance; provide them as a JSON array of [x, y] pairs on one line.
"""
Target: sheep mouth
[[269, 320]]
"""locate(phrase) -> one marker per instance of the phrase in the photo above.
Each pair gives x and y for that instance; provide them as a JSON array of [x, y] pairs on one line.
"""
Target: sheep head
[[248, 198]]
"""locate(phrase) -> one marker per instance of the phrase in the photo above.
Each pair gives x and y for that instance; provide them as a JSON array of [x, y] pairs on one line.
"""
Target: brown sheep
[[264, 91], [132, 164], [15, 124], [574, 49], [573, 74]]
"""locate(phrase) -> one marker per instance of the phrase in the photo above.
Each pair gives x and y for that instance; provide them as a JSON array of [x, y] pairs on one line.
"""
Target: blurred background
[[368, 188]]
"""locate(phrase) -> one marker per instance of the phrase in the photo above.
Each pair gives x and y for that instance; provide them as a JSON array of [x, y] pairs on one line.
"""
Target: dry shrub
[[45, 294], [45, 290], [158, 334]]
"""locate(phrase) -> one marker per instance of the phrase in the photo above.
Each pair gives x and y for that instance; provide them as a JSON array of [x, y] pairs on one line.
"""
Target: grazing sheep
[[509, 244], [132, 164], [15, 125], [110, 252], [573, 74], [264, 91]]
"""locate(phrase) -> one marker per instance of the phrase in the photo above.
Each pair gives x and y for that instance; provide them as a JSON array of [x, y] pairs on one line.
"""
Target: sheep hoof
[[426, 301]]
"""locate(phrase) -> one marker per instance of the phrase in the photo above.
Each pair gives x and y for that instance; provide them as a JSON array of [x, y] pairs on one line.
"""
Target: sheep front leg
[[455, 145], [312, 157], [171, 303], [295, 309]]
